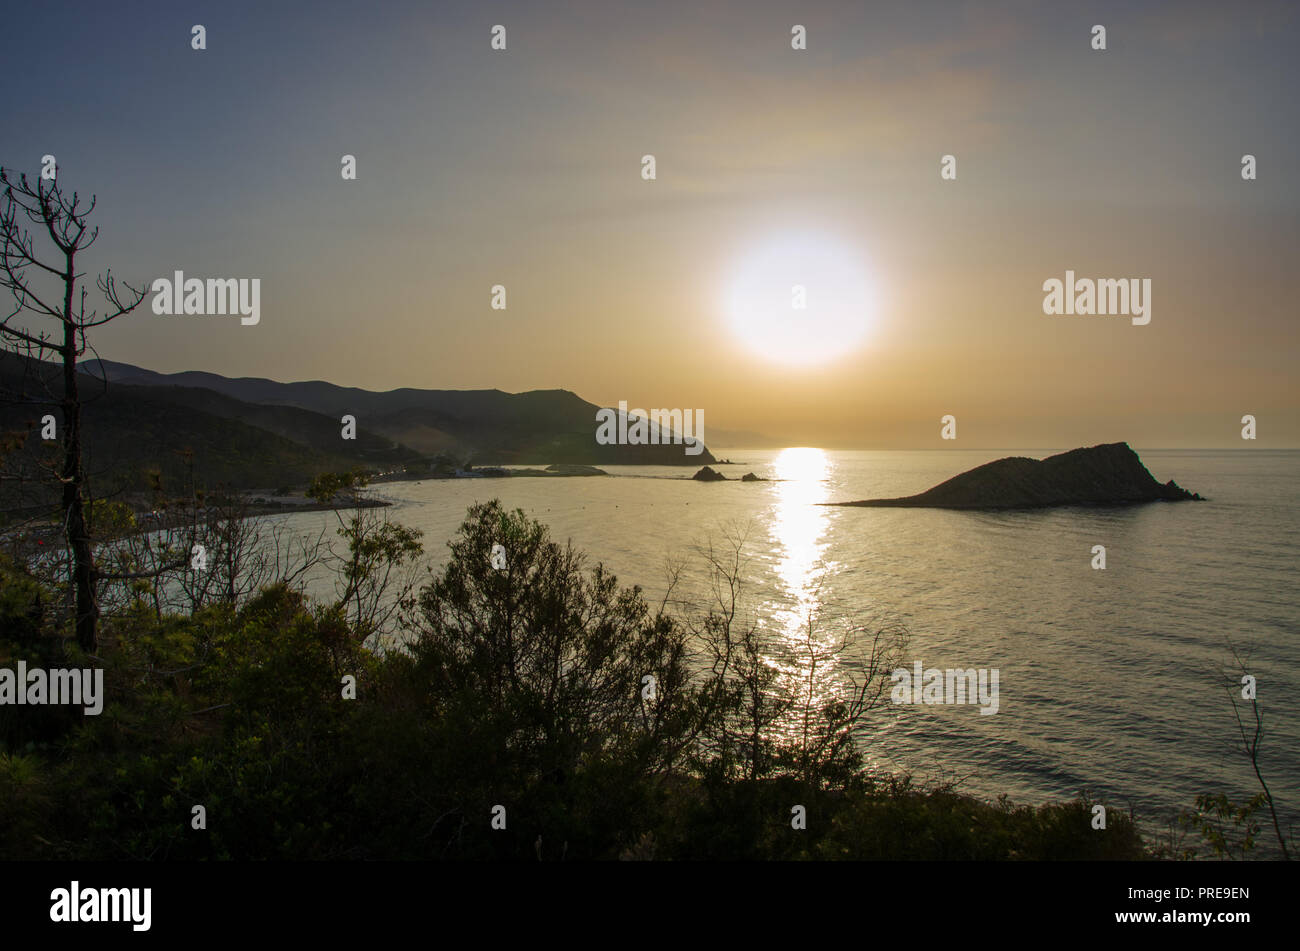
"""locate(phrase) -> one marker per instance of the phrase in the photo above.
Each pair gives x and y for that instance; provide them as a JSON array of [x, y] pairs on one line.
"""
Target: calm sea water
[[1111, 682]]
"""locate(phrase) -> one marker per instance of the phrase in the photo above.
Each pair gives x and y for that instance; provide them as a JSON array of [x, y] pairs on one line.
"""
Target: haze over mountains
[[487, 427], [262, 433]]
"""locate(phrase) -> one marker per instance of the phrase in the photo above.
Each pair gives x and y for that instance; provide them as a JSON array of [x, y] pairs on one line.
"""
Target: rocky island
[[1111, 474], [709, 474]]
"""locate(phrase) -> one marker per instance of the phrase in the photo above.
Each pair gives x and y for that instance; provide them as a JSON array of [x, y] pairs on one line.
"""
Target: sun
[[800, 299]]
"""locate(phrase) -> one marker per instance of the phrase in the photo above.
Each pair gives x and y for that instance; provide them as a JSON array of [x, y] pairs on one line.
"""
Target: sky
[[523, 167]]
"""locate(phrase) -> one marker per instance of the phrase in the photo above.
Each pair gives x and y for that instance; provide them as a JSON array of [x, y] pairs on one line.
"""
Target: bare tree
[[1231, 828], [741, 705], [784, 703], [242, 554], [1251, 740], [377, 575], [42, 323]]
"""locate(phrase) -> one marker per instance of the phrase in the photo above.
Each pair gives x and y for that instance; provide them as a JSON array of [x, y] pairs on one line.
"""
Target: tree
[[32, 280], [570, 695], [1231, 829], [378, 573], [1250, 741], [773, 707]]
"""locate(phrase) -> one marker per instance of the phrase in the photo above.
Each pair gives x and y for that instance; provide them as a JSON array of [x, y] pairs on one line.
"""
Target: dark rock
[[750, 477], [709, 475], [1110, 474], [574, 470]]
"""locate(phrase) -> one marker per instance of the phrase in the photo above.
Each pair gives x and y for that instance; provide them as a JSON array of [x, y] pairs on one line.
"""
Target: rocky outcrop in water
[[571, 470], [1111, 474]]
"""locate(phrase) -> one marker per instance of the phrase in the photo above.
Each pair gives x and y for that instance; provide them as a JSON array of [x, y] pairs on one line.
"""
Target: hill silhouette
[[486, 427], [260, 434], [130, 431], [1110, 474]]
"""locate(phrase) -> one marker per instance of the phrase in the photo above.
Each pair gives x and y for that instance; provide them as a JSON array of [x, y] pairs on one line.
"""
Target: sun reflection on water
[[799, 527]]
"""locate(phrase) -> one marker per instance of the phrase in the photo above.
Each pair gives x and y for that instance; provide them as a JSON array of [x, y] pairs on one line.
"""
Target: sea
[[1116, 682]]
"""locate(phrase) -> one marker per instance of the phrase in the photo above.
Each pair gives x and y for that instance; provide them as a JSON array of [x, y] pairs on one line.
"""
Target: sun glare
[[800, 529], [800, 300], [799, 525]]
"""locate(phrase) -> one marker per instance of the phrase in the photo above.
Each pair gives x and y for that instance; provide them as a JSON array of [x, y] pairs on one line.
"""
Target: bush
[[521, 682]]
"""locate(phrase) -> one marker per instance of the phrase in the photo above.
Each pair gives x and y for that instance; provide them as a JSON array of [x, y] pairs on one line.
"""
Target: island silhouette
[[1109, 474]]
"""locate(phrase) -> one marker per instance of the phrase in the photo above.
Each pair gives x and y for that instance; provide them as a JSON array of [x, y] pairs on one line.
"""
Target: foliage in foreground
[[522, 686]]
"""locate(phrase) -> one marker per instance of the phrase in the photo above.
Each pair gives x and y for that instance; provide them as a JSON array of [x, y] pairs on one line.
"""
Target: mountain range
[[259, 433]]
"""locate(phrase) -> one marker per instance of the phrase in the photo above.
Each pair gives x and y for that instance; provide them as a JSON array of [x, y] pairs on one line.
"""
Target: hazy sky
[[523, 168]]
